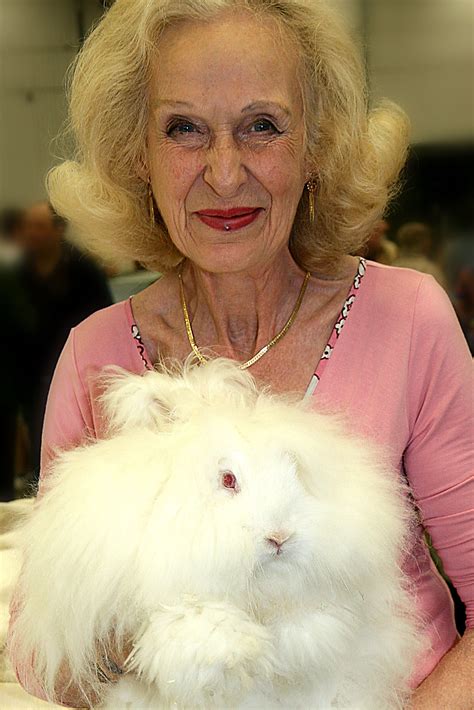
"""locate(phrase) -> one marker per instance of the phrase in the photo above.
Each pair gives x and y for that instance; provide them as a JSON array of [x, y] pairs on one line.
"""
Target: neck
[[235, 314]]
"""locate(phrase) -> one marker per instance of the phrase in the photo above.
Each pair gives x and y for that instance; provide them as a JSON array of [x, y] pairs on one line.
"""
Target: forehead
[[234, 59]]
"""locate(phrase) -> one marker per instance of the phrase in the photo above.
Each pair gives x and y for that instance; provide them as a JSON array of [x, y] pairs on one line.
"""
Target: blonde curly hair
[[357, 152]]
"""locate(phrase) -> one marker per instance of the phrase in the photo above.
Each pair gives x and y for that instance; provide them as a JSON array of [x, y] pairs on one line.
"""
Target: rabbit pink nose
[[278, 540]]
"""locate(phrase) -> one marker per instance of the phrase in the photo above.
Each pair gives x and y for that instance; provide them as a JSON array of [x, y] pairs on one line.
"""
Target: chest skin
[[287, 367]]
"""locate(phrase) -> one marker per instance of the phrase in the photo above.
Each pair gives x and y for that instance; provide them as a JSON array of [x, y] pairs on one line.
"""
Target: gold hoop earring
[[151, 206], [311, 185]]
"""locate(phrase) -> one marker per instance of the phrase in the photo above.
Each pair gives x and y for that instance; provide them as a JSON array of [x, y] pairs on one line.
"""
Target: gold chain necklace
[[262, 351]]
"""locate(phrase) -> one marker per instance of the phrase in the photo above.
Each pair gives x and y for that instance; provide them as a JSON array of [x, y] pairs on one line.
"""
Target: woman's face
[[226, 131]]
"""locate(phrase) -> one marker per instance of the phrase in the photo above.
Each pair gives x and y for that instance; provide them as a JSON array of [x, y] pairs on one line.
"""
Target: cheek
[[174, 172], [280, 169]]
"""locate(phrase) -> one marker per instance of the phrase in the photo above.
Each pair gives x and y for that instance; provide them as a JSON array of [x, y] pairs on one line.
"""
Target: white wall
[[38, 40], [421, 55], [352, 11]]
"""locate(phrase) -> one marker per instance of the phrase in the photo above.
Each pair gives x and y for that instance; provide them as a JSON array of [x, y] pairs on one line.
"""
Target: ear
[[143, 173], [141, 167], [307, 169], [134, 401], [310, 170]]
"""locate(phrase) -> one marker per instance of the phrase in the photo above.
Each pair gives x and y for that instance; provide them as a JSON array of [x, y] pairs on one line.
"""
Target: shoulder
[[104, 338], [403, 292], [401, 317], [107, 337], [394, 282], [414, 318]]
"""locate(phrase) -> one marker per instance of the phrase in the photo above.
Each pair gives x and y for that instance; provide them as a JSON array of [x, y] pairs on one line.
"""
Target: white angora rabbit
[[249, 547]]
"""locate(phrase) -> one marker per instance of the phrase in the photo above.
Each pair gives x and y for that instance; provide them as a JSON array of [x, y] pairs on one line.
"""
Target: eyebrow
[[263, 104], [250, 107], [160, 102]]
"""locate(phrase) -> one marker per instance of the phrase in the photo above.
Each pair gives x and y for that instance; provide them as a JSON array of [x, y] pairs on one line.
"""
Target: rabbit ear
[[130, 400], [156, 399]]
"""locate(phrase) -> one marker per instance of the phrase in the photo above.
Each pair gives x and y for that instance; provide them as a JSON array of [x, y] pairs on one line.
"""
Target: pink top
[[397, 366]]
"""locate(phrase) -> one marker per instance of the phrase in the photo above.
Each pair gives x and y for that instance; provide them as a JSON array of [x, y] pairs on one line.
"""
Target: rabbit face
[[235, 513], [253, 498]]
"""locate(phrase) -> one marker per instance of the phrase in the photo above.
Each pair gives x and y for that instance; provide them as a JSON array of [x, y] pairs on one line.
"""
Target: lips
[[228, 220]]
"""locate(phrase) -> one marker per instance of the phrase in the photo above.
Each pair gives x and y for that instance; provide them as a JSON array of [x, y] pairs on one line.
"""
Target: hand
[[111, 658], [202, 654], [110, 663], [449, 685]]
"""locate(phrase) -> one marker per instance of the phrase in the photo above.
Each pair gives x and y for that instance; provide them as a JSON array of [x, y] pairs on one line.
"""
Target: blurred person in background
[[15, 335], [458, 264], [414, 241], [10, 226], [463, 301], [63, 286], [378, 247]]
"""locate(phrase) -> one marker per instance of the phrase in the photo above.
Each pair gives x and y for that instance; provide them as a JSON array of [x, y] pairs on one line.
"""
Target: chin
[[232, 257]]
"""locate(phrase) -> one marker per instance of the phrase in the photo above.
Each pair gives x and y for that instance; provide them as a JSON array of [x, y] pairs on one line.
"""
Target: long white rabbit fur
[[137, 534]]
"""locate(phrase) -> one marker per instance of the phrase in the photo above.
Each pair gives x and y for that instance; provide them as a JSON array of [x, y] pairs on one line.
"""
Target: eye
[[263, 125], [228, 480], [181, 127]]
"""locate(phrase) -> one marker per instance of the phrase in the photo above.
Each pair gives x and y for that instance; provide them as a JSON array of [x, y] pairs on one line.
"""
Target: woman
[[229, 145]]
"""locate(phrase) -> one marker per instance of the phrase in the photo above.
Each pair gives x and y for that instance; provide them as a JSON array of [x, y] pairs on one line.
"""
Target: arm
[[68, 419], [61, 425], [450, 685], [68, 416], [438, 463]]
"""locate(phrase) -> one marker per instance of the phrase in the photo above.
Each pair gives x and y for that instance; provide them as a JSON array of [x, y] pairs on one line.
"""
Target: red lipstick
[[227, 220]]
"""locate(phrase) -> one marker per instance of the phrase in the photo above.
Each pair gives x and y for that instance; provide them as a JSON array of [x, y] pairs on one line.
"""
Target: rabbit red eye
[[229, 480]]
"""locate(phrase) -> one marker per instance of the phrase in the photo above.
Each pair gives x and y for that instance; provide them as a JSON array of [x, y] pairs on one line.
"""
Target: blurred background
[[418, 53]]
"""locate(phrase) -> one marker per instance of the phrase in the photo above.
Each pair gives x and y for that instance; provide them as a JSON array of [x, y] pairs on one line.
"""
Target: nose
[[277, 540], [224, 171]]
